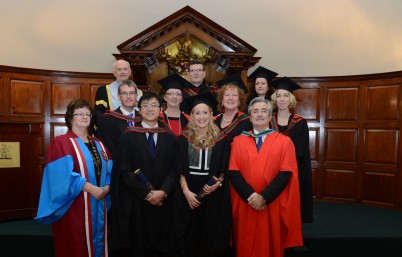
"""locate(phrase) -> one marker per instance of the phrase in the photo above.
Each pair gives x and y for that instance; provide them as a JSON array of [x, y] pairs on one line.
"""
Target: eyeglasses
[[131, 93], [150, 106], [196, 70], [173, 94], [82, 115]]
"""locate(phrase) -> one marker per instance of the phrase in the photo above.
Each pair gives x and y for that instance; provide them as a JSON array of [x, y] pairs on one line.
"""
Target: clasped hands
[[156, 197], [98, 192], [257, 202]]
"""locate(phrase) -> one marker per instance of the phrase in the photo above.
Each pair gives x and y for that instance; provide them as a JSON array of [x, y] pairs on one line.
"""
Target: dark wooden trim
[[56, 73]]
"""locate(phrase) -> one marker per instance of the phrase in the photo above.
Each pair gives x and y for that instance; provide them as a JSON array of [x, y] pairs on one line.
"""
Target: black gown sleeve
[[109, 133], [101, 101], [300, 137], [240, 185], [277, 185], [100, 107]]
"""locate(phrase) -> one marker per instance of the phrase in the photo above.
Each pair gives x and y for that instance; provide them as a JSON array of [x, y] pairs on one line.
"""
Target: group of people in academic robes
[[212, 174]]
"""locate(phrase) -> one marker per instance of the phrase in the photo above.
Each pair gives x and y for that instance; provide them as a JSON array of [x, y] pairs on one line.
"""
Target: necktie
[[130, 123], [151, 143], [259, 143]]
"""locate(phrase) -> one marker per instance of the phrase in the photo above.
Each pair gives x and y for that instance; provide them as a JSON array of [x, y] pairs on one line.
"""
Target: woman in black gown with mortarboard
[[172, 116], [295, 127]]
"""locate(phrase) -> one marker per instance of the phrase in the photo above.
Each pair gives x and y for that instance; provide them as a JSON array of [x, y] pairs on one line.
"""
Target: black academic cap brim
[[262, 72], [285, 83], [172, 81], [203, 98], [234, 79]]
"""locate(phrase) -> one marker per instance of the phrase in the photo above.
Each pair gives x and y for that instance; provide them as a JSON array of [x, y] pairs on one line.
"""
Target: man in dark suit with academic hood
[[107, 97], [142, 200], [113, 123]]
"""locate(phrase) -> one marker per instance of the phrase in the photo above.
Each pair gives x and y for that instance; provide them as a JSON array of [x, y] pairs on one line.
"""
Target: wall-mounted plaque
[[9, 154]]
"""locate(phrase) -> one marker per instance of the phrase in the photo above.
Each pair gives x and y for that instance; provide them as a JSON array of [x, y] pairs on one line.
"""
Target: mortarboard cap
[[234, 79], [285, 83], [202, 98], [262, 72], [172, 81]]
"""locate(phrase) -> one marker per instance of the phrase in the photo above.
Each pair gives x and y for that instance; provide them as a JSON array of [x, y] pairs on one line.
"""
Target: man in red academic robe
[[264, 188]]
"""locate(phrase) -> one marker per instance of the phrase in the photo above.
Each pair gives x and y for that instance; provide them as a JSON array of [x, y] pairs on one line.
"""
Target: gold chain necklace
[[95, 157]]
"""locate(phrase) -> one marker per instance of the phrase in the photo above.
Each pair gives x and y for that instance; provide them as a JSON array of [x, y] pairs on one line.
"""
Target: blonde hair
[[292, 103], [212, 133]]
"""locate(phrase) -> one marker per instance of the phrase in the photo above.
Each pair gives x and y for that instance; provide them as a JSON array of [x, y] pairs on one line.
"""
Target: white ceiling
[[293, 37]]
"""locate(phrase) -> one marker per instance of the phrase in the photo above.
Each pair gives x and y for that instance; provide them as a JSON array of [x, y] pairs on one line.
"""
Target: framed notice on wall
[[9, 154]]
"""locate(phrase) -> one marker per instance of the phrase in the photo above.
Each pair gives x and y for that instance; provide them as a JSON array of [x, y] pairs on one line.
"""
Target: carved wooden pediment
[[187, 34]]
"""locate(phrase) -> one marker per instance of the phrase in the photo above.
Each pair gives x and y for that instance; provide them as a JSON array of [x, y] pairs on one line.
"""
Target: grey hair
[[115, 63], [260, 100]]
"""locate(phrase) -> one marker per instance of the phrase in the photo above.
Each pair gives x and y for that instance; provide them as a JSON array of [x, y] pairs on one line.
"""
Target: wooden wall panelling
[[2, 94], [58, 129], [321, 145], [383, 103], [382, 143], [381, 146], [340, 174], [313, 143], [308, 103], [315, 183], [62, 91], [341, 139], [340, 184], [19, 187], [36, 143], [342, 104], [314, 150], [341, 145], [32, 111], [93, 88], [27, 100], [62, 94], [308, 106], [379, 188]]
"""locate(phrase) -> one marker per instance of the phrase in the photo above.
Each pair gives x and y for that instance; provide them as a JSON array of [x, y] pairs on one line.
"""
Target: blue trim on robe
[[61, 185]]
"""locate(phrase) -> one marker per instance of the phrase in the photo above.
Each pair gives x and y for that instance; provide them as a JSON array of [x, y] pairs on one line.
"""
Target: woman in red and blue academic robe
[[75, 187]]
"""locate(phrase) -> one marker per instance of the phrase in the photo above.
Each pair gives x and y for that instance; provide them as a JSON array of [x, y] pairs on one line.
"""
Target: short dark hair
[[194, 62], [77, 104], [148, 96]]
